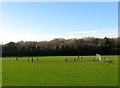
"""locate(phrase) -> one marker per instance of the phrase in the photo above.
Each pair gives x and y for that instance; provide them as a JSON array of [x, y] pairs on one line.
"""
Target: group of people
[[74, 59], [32, 59], [94, 59], [107, 60]]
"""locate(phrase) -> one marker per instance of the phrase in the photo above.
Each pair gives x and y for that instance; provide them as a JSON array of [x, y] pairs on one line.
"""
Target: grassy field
[[55, 71], [0, 71]]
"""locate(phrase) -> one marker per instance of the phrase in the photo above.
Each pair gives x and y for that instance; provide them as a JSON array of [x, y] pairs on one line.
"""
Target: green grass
[[54, 71], [0, 71]]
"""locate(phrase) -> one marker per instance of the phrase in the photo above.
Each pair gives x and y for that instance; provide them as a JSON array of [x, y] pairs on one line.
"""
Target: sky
[[44, 21]]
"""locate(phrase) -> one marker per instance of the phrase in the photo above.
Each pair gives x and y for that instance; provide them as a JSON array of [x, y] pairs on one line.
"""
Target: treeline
[[60, 47]]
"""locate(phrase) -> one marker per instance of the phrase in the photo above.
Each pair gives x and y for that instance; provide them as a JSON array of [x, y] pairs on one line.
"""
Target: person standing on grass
[[78, 58], [104, 59], [66, 59], [32, 59], [28, 59], [16, 58], [81, 58], [74, 59], [37, 58]]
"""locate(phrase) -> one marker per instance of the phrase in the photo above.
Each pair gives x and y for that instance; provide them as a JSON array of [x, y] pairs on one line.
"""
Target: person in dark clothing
[[37, 58], [16, 58], [66, 59], [81, 58], [28, 59], [74, 59], [78, 58], [32, 59]]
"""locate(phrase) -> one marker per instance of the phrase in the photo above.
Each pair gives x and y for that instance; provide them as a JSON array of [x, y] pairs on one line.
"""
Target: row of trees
[[60, 46]]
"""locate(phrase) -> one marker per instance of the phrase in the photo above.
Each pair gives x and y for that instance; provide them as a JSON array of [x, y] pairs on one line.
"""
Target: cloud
[[113, 33], [6, 36], [82, 32]]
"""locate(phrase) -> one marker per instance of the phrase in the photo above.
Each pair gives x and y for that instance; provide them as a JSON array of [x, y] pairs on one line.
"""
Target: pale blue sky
[[30, 21]]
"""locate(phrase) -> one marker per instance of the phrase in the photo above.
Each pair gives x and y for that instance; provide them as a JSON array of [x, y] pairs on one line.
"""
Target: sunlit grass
[[55, 71]]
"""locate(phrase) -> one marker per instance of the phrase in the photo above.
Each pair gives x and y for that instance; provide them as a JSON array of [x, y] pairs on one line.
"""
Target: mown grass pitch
[[0, 71], [55, 71]]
